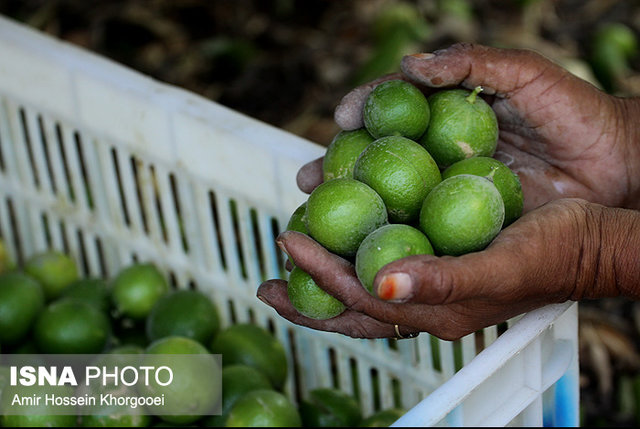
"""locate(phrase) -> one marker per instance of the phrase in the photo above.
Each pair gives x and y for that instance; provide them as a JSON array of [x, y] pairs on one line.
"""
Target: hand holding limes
[[562, 137]]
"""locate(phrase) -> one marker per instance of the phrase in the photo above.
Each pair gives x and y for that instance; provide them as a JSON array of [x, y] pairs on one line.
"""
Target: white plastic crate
[[112, 166]]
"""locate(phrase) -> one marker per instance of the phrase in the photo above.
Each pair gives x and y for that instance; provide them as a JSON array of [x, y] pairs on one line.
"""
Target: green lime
[[613, 46], [329, 407], [71, 326], [462, 214], [55, 270], [382, 418], [41, 413], [396, 108], [309, 298], [296, 221], [263, 408], [91, 290], [248, 344], [342, 153], [136, 289], [342, 212], [387, 244], [236, 381], [21, 300], [186, 313], [196, 386], [402, 172], [503, 178], [462, 126]]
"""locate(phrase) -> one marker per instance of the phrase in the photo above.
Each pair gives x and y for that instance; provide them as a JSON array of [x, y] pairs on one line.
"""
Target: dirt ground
[[289, 62]]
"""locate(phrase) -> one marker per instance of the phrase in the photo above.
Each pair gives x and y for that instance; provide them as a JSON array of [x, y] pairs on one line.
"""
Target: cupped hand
[[561, 135], [549, 255]]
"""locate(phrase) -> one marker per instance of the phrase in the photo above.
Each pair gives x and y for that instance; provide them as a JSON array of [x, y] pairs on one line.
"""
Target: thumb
[[498, 71], [444, 280]]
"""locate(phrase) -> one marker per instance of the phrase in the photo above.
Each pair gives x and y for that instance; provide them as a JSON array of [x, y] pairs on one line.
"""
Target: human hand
[[566, 249], [561, 135]]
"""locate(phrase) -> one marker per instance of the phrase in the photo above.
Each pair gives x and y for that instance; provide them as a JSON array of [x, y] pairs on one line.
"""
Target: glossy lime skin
[[54, 270], [196, 385], [503, 178], [68, 325], [330, 407], [342, 212], [136, 289], [21, 301], [387, 244], [462, 214], [248, 344], [310, 299], [459, 128], [396, 108], [296, 221], [264, 408], [342, 153], [187, 313], [402, 172]]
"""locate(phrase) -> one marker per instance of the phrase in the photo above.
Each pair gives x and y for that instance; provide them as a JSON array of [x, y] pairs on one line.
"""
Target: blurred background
[[289, 62]]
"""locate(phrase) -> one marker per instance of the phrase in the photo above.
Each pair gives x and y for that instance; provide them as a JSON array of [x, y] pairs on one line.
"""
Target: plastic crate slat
[[92, 255], [168, 209], [271, 254], [345, 380], [55, 158], [248, 236], [468, 348], [35, 146], [365, 386], [147, 200], [113, 212], [187, 231], [75, 180], [21, 158], [230, 241], [211, 257], [127, 183], [7, 232]]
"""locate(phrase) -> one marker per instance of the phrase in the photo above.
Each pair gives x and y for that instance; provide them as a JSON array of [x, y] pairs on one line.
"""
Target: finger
[[498, 71], [351, 323], [310, 175], [432, 280], [348, 114]]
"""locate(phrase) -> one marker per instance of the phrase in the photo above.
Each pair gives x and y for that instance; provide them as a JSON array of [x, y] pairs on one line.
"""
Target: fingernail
[[395, 286], [264, 300], [423, 56], [282, 247]]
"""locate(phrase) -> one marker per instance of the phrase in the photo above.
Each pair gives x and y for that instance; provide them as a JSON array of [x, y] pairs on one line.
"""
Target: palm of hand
[[558, 134]]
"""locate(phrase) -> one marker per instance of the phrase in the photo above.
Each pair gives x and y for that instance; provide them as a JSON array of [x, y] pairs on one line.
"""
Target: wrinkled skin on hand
[[576, 151]]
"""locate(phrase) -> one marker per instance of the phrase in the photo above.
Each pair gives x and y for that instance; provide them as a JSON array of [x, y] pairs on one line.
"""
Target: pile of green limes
[[47, 307]]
